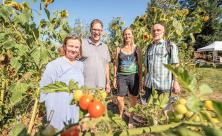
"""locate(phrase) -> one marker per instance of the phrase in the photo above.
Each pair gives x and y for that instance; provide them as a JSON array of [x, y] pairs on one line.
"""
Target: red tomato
[[72, 131], [96, 109], [84, 101]]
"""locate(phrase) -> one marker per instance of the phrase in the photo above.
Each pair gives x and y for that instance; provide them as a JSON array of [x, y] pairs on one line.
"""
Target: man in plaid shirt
[[157, 75]]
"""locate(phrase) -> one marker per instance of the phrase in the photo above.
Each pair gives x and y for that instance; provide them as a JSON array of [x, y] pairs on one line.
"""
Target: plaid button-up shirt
[[158, 76]]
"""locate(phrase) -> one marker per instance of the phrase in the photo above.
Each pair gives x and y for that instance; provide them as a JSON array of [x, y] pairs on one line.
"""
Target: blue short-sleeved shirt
[[57, 104], [158, 76]]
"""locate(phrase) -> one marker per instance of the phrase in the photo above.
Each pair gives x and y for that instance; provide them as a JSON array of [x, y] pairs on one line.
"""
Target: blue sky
[[87, 10]]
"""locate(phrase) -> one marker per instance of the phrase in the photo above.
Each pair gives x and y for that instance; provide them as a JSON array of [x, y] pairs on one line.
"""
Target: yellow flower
[[185, 12], [15, 5], [47, 2], [153, 9], [205, 18]]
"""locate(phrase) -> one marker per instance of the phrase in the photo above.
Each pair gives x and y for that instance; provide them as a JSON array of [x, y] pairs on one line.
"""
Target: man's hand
[[176, 87], [108, 88]]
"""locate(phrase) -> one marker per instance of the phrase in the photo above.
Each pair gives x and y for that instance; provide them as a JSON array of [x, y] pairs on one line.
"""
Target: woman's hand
[[108, 88], [114, 83]]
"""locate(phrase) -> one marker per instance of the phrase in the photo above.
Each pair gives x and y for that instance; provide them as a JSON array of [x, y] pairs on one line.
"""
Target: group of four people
[[94, 71]]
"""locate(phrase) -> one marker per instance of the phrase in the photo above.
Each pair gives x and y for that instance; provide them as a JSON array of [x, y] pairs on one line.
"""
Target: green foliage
[[55, 87], [26, 47], [152, 112], [19, 130], [211, 16], [218, 108], [115, 27], [73, 85], [209, 131], [18, 92], [80, 29], [59, 86], [180, 25]]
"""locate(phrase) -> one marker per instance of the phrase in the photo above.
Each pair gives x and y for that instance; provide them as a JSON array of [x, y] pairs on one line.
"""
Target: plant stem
[[4, 83], [159, 128], [2, 96], [34, 112]]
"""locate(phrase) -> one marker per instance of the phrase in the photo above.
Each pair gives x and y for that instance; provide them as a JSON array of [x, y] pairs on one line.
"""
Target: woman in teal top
[[127, 72]]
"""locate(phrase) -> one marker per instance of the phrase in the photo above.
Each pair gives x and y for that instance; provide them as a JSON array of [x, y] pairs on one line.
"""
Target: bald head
[[158, 31]]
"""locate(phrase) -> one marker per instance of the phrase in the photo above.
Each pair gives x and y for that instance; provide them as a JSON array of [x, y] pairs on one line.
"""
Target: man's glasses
[[97, 30]]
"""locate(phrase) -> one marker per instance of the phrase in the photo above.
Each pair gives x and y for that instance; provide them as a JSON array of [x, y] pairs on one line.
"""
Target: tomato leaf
[[209, 131], [193, 104], [218, 108], [205, 89], [182, 75], [58, 86], [73, 85]]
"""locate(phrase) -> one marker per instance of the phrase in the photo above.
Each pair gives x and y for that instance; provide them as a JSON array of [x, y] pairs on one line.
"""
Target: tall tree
[[212, 18], [80, 29]]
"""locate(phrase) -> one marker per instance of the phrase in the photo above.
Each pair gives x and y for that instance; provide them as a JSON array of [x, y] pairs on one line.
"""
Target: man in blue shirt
[[157, 75]]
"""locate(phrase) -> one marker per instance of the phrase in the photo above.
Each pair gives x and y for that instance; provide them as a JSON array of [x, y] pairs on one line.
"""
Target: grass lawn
[[213, 77]]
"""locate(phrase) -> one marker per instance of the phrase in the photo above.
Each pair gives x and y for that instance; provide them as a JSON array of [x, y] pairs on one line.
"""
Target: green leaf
[[22, 18], [182, 75], [178, 27], [193, 84], [58, 86], [18, 91], [163, 99], [205, 89], [34, 30], [6, 13], [192, 38], [47, 13], [73, 85], [193, 104], [15, 63], [209, 131], [218, 108], [23, 49], [41, 55], [9, 44], [119, 122], [19, 130]]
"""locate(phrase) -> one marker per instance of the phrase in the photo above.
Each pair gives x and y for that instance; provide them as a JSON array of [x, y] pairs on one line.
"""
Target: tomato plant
[[96, 109], [84, 101]]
